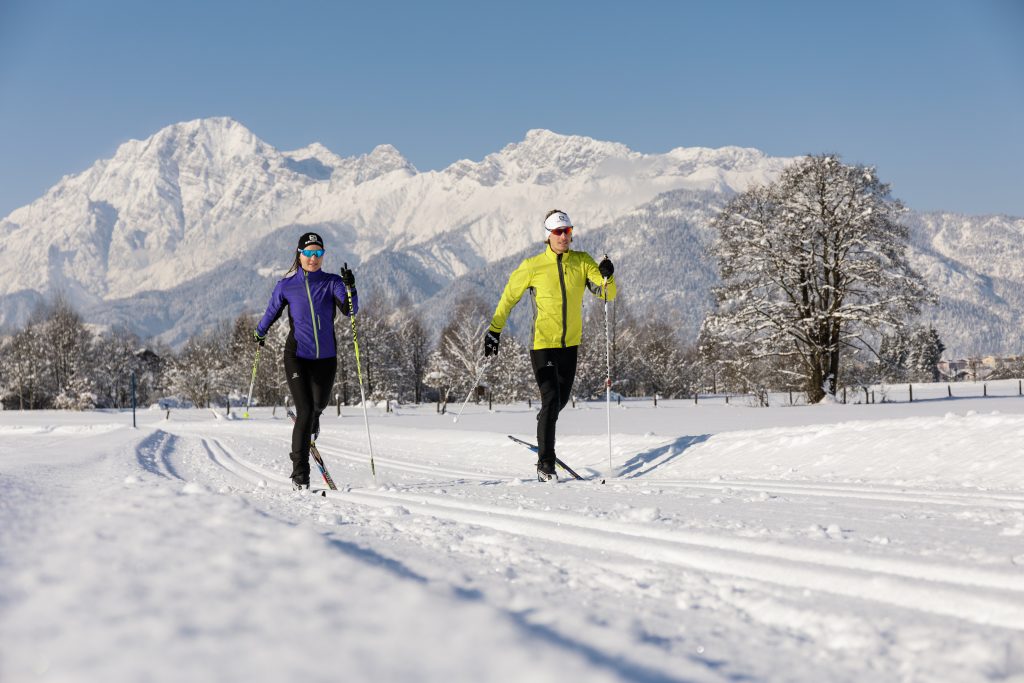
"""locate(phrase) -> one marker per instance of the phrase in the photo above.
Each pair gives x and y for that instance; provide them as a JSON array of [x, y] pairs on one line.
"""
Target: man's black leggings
[[310, 383], [555, 370]]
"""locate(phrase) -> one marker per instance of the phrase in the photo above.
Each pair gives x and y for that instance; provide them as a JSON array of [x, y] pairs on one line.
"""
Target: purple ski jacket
[[311, 299]]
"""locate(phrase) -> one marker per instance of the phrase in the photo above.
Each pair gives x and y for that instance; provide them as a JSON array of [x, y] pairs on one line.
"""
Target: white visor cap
[[556, 221]]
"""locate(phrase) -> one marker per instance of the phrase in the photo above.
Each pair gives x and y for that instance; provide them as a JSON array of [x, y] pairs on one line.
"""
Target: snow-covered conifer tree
[[924, 354], [892, 356], [911, 354]]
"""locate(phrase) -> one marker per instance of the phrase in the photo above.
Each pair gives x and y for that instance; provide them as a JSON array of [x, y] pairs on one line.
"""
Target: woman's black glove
[[348, 277], [606, 268]]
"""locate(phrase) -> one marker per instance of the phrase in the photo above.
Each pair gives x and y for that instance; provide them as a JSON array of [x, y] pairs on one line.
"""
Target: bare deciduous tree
[[812, 265]]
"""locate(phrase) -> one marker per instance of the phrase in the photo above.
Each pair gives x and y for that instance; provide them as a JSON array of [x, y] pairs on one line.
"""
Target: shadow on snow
[[648, 461], [630, 670]]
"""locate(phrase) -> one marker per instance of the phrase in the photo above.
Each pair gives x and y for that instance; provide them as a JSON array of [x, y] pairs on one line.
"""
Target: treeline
[[58, 361], [911, 354]]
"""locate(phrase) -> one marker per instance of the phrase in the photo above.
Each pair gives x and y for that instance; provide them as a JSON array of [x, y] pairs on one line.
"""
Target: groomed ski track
[[947, 591], [742, 555]]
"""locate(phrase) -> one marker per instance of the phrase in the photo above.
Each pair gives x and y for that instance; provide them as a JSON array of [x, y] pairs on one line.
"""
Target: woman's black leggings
[[310, 383], [555, 370]]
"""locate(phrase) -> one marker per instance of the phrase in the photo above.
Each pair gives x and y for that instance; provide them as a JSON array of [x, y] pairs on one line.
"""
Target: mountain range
[[193, 225]]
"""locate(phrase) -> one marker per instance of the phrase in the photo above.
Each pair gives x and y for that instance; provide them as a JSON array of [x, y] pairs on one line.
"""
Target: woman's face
[[311, 264]]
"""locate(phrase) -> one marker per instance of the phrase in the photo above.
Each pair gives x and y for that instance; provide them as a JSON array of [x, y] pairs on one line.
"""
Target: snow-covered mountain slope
[[193, 225], [976, 266]]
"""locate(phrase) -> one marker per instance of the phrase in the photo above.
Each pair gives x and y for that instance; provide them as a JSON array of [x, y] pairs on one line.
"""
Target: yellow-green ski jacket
[[557, 283]]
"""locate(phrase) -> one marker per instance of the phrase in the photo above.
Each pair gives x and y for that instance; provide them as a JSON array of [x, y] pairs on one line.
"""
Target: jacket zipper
[[312, 313], [565, 302]]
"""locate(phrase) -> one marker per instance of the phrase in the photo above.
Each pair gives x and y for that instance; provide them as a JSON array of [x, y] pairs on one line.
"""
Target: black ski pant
[[310, 383], [555, 370]]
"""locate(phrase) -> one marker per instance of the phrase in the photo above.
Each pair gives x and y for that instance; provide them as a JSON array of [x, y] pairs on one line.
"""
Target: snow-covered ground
[[878, 542]]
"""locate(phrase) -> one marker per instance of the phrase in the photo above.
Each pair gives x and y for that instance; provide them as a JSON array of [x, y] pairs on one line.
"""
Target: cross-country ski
[[558, 461]]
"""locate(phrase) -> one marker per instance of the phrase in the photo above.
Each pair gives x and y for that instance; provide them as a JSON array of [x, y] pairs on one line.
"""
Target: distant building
[[977, 368], [954, 370]]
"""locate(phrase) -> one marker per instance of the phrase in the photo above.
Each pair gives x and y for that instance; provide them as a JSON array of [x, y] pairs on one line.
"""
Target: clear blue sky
[[929, 91]]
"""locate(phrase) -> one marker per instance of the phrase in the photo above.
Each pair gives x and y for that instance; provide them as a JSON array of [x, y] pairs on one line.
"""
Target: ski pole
[[608, 375], [359, 373], [483, 368], [252, 383]]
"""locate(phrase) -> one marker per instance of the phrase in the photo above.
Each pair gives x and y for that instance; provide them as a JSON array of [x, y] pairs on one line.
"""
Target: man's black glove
[[348, 277], [606, 268], [491, 343], [257, 338]]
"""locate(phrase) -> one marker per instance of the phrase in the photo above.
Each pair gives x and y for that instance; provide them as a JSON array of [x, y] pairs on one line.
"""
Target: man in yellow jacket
[[556, 278]]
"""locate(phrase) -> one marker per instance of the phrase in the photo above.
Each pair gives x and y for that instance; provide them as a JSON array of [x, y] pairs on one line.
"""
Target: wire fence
[[876, 393]]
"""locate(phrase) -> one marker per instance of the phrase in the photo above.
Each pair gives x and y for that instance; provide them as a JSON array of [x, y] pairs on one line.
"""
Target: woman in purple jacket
[[310, 353]]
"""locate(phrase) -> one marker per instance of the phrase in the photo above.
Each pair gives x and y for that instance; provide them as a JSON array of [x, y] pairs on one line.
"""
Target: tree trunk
[[814, 382]]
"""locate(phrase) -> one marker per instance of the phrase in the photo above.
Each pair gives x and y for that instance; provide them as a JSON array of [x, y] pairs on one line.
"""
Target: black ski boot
[[300, 472], [546, 472]]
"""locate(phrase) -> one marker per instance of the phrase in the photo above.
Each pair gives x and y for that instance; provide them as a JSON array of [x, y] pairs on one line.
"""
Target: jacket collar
[[550, 254]]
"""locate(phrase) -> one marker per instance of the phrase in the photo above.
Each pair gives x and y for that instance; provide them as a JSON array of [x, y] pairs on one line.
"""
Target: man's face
[[560, 240]]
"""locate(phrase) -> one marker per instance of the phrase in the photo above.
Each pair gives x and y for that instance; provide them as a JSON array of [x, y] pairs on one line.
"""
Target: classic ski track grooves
[[1005, 501], [390, 463], [960, 498], [960, 592]]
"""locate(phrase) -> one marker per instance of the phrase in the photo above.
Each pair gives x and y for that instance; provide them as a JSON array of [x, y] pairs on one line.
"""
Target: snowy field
[[878, 542]]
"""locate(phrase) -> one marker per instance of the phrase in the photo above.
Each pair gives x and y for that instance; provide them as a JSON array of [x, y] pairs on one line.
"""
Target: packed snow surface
[[876, 542]]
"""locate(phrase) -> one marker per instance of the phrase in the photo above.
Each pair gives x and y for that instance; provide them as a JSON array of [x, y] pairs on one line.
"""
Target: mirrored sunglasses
[[310, 253], [561, 231]]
